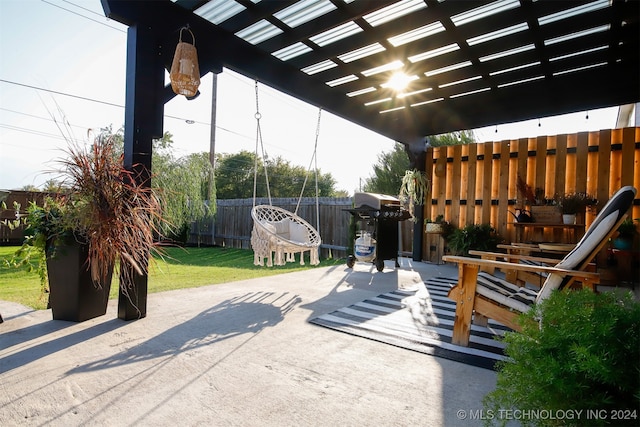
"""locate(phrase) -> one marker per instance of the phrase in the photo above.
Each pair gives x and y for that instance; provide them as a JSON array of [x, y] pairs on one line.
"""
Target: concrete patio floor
[[235, 354]]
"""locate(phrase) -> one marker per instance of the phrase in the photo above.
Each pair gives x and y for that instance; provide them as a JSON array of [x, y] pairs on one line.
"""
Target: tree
[[454, 138], [235, 177], [388, 172], [53, 186], [185, 185]]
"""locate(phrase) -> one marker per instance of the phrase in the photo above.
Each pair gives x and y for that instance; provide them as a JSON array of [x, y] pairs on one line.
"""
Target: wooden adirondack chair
[[483, 295]]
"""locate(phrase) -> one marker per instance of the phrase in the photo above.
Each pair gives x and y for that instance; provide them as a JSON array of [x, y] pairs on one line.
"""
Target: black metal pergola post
[[144, 109]]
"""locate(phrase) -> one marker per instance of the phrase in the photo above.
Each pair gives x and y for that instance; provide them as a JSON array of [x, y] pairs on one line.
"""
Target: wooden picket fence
[[476, 183]]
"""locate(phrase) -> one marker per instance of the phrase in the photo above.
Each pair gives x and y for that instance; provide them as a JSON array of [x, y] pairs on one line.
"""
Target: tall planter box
[[73, 295], [546, 214]]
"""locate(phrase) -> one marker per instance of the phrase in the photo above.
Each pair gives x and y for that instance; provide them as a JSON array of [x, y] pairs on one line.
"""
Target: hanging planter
[[414, 189], [185, 72]]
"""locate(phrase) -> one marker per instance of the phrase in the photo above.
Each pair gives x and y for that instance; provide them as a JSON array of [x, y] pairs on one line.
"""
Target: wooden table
[[549, 251]]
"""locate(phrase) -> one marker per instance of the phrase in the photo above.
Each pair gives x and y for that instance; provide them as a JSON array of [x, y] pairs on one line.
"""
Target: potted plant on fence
[[572, 204], [436, 226], [626, 234], [107, 220]]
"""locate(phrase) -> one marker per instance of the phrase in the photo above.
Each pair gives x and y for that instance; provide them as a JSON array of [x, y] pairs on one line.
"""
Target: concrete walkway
[[236, 354]]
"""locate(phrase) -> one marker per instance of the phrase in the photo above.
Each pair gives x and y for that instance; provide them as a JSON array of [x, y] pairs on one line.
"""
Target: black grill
[[379, 215]]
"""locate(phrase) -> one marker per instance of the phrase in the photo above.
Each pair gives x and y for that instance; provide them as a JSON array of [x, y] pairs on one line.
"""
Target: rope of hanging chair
[[314, 158], [258, 116], [314, 161]]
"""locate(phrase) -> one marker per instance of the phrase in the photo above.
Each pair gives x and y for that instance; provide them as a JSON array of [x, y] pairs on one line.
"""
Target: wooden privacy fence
[[233, 223], [16, 236], [476, 183]]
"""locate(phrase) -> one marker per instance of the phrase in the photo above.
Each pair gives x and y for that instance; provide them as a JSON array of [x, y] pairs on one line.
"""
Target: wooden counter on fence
[[535, 232]]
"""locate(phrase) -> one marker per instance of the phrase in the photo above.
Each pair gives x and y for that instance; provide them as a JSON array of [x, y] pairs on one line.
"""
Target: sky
[[65, 56]]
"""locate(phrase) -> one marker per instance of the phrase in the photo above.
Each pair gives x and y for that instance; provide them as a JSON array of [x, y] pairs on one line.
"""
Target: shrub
[[578, 351], [481, 237]]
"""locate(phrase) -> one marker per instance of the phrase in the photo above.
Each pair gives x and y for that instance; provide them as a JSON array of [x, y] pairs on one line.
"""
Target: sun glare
[[399, 81]]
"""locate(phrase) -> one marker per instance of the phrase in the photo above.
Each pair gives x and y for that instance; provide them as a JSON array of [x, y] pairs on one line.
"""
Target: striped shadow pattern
[[420, 320]]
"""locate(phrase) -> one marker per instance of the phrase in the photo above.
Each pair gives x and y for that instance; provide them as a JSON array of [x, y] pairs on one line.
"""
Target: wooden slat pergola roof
[[470, 63]]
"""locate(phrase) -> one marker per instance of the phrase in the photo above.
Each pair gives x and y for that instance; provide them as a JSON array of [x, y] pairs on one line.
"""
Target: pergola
[[464, 64]]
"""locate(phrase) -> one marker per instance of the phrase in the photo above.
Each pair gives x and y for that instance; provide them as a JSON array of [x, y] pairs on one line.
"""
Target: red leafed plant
[[526, 191], [110, 208]]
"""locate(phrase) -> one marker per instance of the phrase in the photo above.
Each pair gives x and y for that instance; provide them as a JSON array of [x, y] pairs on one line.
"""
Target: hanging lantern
[[185, 73]]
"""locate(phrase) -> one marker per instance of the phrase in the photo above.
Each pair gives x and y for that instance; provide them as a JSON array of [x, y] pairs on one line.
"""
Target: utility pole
[[214, 102], [212, 149]]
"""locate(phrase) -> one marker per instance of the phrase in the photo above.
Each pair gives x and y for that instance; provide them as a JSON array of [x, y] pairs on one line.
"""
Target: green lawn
[[181, 268]]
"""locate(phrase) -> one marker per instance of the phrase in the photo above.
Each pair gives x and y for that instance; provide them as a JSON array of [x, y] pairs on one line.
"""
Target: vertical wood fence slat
[[628, 136], [487, 174], [503, 184], [604, 165], [439, 178], [540, 180], [455, 189], [428, 207], [472, 165], [581, 156], [561, 163]]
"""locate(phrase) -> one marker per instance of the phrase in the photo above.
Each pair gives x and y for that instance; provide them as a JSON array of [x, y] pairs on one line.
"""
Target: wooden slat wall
[[477, 183]]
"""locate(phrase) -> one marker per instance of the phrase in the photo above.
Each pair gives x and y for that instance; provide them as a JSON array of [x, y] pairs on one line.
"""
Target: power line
[[84, 8], [62, 93], [83, 16], [30, 131], [84, 98], [88, 99], [25, 114]]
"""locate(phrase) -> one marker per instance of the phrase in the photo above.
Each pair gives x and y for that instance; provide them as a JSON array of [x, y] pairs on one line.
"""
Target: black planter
[[73, 294], [132, 297]]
